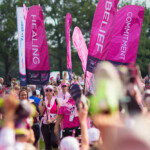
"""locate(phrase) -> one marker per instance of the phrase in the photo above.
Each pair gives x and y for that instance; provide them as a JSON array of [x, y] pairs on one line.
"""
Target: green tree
[[82, 12], [143, 56], [55, 11], [8, 44]]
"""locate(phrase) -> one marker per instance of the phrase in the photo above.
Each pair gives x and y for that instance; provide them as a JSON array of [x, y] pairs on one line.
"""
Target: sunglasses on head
[[49, 90]]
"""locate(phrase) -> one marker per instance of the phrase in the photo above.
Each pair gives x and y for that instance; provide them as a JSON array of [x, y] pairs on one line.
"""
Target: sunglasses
[[64, 86], [49, 90]]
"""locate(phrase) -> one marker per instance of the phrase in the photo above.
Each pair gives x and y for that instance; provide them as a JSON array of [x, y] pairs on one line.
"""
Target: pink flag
[[68, 22], [101, 32], [25, 12], [125, 40], [80, 45], [37, 56]]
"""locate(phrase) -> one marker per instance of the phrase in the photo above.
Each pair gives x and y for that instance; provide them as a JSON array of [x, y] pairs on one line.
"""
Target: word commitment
[[124, 44]]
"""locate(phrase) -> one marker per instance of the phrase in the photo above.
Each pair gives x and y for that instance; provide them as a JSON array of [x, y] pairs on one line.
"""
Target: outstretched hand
[[10, 103]]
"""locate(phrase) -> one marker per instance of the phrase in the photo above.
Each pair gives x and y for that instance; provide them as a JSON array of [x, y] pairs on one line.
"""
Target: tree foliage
[[8, 43], [82, 12], [143, 56]]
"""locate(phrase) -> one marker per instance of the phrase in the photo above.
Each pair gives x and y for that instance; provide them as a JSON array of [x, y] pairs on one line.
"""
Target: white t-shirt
[[63, 97]]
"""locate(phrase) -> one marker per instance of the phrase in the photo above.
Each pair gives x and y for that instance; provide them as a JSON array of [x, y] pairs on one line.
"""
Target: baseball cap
[[64, 84], [75, 91], [49, 87]]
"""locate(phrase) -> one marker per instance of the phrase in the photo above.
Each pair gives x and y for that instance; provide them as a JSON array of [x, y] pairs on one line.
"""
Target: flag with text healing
[[125, 39], [101, 32], [37, 55]]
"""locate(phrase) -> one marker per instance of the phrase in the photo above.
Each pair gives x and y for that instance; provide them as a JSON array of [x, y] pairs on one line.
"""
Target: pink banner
[[101, 33], [25, 12], [37, 56], [68, 22], [125, 40], [80, 45]]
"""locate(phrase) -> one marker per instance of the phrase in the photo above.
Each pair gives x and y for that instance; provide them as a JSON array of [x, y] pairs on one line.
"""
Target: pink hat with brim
[[64, 84]]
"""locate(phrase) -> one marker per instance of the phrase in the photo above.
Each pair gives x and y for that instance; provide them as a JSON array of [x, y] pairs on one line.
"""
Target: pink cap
[[64, 84]]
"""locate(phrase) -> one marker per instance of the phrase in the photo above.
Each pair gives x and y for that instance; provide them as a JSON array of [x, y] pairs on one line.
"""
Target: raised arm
[[83, 114]]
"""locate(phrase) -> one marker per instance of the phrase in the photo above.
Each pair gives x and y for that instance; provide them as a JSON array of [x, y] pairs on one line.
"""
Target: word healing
[[36, 59], [124, 45], [102, 31]]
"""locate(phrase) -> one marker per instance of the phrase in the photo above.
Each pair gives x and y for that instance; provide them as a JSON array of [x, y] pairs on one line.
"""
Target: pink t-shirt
[[51, 111], [66, 111]]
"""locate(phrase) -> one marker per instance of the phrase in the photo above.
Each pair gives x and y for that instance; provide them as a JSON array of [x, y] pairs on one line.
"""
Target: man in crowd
[[64, 94]]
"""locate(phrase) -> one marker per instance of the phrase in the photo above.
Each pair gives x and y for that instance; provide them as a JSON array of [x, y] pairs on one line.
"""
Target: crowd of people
[[70, 115]]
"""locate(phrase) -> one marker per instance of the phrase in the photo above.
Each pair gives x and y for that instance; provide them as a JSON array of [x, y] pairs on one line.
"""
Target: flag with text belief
[[101, 32]]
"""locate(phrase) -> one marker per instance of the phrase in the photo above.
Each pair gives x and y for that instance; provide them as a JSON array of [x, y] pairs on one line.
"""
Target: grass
[[42, 145]]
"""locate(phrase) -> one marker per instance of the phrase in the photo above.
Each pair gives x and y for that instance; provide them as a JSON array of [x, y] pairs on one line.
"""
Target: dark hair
[[34, 93]]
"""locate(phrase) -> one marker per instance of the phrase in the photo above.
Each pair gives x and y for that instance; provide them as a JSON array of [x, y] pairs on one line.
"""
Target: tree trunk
[[60, 67], [7, 64], [60, 56]]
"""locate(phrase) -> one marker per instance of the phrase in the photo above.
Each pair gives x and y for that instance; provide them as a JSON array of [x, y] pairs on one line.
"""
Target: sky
[[147, 2]]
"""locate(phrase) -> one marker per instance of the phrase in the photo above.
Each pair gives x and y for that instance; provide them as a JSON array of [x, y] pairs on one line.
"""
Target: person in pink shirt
[[49, 108], [64, 94], [67, 114]]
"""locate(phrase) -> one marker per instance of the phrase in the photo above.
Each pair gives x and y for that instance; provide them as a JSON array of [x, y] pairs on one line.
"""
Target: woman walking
[[49, 109]]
